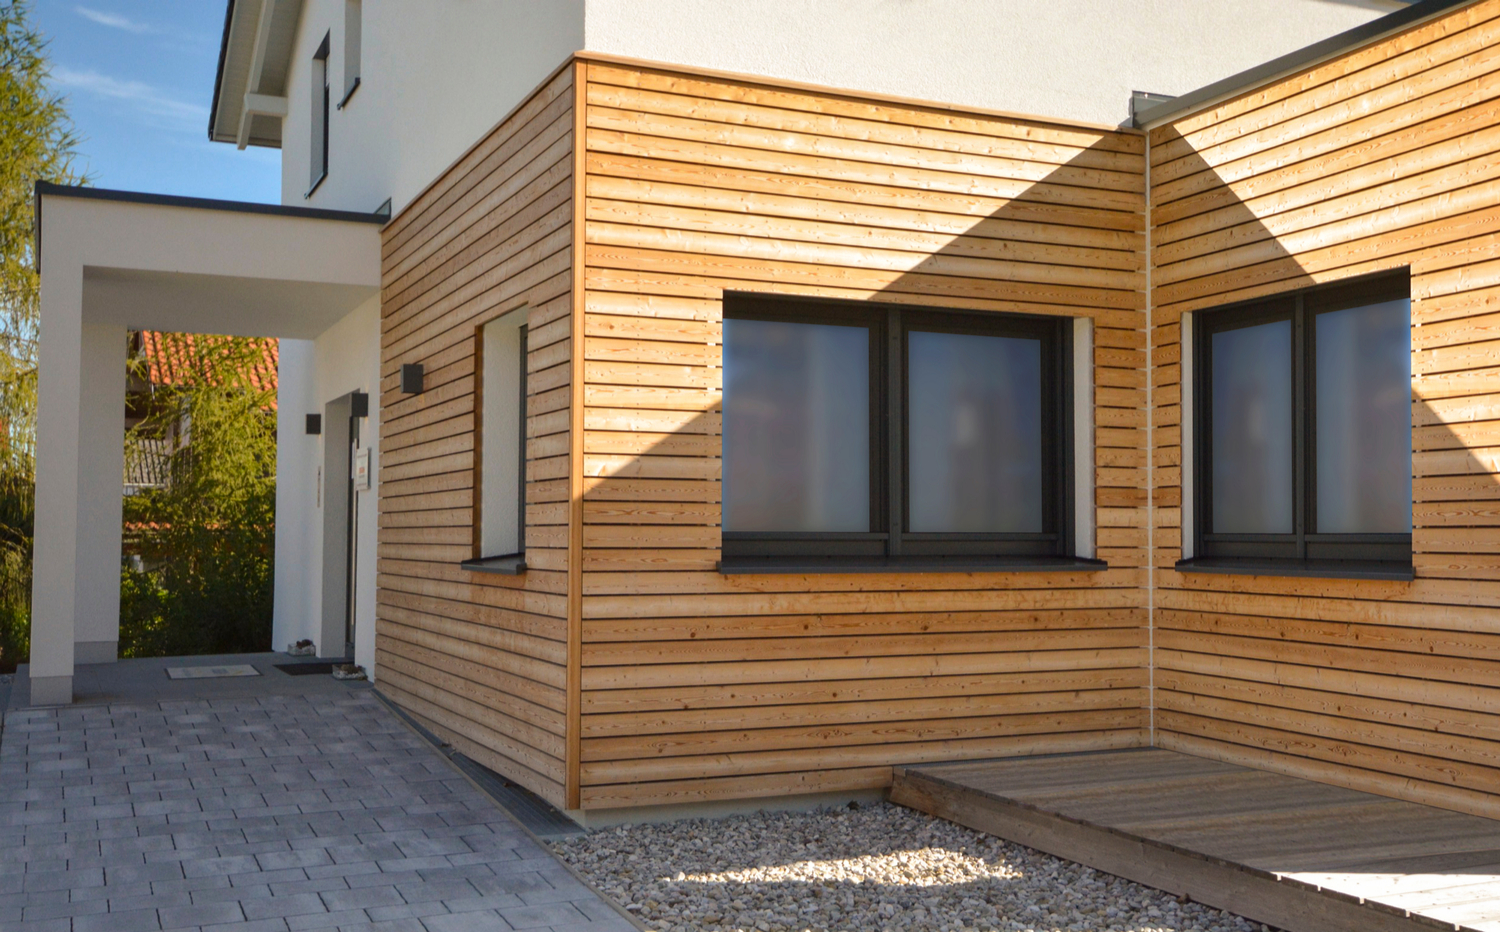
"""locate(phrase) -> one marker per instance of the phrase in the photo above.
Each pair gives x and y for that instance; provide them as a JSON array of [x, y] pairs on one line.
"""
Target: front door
[[340, 438]]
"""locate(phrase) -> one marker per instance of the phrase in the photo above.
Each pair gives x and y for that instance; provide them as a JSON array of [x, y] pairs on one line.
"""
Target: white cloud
[[114, 21], [143, 97]]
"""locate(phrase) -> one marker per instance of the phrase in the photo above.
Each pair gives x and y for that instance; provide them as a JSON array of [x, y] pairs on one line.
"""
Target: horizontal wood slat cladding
[[698, 686], [1383, 158], [480, 658]]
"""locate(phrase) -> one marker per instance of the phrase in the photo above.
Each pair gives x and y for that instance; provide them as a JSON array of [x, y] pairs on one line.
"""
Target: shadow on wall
[[1063, 239], [1340, 682]]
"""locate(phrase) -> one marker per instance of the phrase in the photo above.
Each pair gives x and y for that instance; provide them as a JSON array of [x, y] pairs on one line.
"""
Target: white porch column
[[101, 471], [55, 559]]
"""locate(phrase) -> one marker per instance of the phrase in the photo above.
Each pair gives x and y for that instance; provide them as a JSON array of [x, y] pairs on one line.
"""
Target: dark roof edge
[[1294, 62], [202, 203], [213, 110]]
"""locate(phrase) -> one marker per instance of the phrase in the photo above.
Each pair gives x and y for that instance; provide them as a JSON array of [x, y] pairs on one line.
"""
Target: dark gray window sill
[[960, 564], [315, 185], [1320, 569], [512, 564], [349, 93]]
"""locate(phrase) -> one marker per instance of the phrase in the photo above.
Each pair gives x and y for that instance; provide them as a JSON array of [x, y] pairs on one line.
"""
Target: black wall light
[[315, 423], [411, 378], [359, 404]]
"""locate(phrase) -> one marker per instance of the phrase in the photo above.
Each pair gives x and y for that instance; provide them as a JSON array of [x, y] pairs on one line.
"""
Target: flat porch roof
[[112, 261]]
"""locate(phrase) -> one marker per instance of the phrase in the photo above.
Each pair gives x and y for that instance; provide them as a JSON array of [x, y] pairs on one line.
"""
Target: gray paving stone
[[282, 906], [204, 867], [40, 881], [133, 873], [180, 917], [478, 921], [407, 911], [59, 910], [361, 898], [348, 917], [531, 917], [481, 903], [136, 920]]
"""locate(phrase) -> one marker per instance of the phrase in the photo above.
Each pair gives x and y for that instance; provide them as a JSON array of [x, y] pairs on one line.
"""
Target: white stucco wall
[[434, 81], [1067, 59], [433, 84], [344, 359]]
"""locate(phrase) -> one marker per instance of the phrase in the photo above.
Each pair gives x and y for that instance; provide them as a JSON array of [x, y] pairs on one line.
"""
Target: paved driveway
[[270, 813]]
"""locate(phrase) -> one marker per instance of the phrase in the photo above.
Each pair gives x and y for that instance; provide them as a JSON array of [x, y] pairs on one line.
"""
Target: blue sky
[[139, 78]]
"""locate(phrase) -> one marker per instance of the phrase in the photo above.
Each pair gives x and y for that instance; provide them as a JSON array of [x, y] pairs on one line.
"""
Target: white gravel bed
[[879, 867]]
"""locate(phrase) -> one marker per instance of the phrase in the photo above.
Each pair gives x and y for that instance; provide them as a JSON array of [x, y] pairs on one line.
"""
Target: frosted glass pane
[[796, 427], [1363, 378], [1252, 429], [975, 423]]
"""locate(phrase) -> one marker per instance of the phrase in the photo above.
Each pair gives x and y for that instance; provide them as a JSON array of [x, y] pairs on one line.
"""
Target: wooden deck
[[1280, 850]]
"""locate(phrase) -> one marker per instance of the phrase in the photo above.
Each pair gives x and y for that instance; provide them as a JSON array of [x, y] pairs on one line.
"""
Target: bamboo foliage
[[36, 142]]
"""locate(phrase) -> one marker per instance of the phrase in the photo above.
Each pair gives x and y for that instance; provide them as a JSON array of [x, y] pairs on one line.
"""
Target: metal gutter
[[1294, 62], [213, 110], [203, 203]]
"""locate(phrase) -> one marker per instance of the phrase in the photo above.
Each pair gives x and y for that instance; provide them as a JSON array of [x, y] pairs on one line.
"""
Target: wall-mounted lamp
[[314, 424], [411, 378], [359, 404]]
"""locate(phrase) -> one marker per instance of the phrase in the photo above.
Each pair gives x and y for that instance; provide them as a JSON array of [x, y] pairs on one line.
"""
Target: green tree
[[207, 537], [37, 141]]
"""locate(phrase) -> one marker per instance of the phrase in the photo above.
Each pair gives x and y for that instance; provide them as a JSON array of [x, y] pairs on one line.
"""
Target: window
[[502, 444], [1303, 430], [872, 436], [353, 14], [318, 132]]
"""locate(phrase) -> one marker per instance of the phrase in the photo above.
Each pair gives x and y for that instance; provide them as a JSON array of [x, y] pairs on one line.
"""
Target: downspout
[[1150, 477]]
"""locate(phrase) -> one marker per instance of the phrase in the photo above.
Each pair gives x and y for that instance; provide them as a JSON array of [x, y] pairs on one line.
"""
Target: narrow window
[[318, 134], [502, 479], [353, 14], [858, 432], [1304, 428]]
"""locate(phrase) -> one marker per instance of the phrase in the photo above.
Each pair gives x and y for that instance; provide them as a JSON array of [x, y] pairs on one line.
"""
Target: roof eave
[[1295, 62], [213, 110]]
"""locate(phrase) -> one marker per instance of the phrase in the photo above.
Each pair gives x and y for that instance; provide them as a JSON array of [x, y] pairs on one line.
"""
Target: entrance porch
[[112, 261]]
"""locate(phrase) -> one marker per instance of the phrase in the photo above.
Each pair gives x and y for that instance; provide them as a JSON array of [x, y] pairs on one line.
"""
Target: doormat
[[305, 669], [208, 673]]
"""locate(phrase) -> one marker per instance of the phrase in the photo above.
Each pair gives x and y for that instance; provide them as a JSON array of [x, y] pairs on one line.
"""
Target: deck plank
[[1274, 848]]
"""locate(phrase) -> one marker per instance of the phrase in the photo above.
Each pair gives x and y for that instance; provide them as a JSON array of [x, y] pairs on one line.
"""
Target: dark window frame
[[514, 563], [889, 327], [320, 133], [1305, 546]]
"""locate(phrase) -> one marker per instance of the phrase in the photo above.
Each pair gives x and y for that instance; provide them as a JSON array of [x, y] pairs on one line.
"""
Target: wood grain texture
[[1379, 159], [698, 686], [481, 659], [1297, 854]]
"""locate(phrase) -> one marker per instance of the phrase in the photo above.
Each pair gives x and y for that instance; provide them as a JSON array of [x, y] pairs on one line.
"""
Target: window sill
[[513, 564], [735, 566], [314, 186], [349, 93], [1320, 569]]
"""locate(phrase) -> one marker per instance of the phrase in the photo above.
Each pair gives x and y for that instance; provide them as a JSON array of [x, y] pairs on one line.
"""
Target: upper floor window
[[353, 15], [1303, 426], [859, 432], [318, 133]]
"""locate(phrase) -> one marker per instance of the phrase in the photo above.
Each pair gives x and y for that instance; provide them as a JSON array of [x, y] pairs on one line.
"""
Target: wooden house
[[772, 544], [732, 437]]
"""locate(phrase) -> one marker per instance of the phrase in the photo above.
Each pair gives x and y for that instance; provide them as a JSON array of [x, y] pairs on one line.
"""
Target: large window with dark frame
[[869, 435], [1303, 430]]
